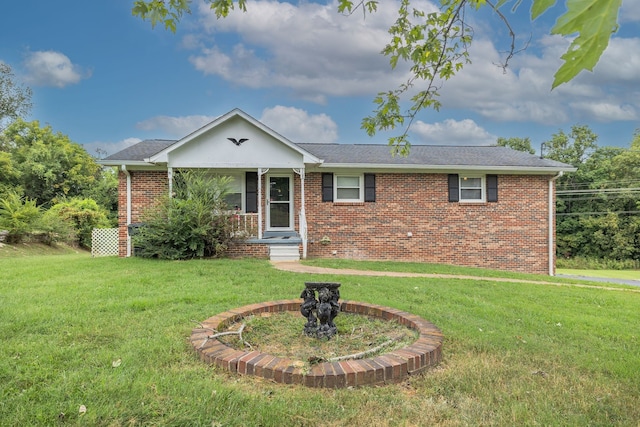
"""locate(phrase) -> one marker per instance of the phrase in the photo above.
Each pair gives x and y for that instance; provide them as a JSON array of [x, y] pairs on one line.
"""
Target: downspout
[[126, 172], [303, 214], [552, 227], [259, 203]]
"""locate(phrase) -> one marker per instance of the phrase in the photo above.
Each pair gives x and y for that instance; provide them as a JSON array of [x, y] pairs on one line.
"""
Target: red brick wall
[[511, 234], [146, 188]]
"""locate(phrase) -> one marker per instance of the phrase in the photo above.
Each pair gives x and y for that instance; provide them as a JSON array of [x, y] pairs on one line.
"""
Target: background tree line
[[598, 206], [51, 189]]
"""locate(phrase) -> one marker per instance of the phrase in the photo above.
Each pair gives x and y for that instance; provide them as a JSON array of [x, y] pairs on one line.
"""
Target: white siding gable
[[210, 147]]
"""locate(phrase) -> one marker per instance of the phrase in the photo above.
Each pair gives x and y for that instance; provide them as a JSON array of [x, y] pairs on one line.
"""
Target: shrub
[[195, 223], [18, 216], [51, 229], [84, 215]]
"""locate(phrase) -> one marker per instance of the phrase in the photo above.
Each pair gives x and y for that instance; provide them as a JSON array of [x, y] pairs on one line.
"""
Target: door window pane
[[279, 191], [279, 214]]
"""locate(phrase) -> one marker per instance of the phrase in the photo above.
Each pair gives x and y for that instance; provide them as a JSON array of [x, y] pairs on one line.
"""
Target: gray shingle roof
[[428, 155], [140, 151], [376, 154]]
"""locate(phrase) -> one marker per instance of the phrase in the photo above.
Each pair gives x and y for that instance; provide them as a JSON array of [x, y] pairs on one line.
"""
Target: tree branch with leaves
[[436, 45]]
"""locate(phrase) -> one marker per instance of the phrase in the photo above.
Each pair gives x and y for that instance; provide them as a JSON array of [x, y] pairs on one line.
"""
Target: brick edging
[[387, 368]]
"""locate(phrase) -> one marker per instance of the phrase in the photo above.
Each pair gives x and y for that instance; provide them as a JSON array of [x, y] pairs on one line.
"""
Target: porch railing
[[244, 225]]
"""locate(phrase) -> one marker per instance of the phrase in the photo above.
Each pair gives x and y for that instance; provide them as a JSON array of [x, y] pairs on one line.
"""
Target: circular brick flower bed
[[387, 368]]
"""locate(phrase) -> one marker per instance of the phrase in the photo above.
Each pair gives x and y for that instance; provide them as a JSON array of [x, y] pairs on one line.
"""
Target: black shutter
[[327, 187], [369, 187], [454, 188], [251, 197], [492, 188]]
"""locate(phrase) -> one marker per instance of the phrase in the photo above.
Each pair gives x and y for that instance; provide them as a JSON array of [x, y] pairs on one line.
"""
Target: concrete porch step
[[282, 252]]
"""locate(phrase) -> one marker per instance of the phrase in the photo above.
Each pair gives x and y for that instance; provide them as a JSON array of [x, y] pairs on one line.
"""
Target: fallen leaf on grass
[[116, 363], [82, 410]]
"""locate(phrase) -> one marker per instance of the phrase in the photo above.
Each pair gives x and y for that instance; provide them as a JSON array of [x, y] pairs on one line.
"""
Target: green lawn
[[111, 335]]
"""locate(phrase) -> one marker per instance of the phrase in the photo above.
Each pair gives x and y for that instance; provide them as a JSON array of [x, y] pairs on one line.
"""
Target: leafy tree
[[105, 191], [9, 175], [195, 223], [520, 144], [598, 205], [574, 148], [436, 45], [15, 99], [47, 166]]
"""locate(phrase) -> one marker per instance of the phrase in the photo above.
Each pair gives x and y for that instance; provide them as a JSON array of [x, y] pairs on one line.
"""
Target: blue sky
[[108, 80]]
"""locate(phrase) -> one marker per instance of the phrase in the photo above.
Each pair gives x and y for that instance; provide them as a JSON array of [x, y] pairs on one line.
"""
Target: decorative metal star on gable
[[238, 141]]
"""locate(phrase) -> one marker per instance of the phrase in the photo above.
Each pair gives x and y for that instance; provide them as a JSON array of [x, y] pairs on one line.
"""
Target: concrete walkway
[[297, 267], [601, 279]]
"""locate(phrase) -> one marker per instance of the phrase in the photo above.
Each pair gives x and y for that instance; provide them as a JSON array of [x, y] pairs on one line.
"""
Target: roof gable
[[232, 141]]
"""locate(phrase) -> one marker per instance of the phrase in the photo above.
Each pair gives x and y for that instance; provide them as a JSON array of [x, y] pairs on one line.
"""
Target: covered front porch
[[277, 217], [268, 174]]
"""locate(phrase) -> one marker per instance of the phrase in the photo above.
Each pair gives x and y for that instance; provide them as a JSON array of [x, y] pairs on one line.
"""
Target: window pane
[[234, 201], [348, 193], [471, 183], [471, 194], [348, 181]]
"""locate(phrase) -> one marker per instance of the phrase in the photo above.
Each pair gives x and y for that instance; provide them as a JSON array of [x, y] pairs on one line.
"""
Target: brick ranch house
[[490, 207]]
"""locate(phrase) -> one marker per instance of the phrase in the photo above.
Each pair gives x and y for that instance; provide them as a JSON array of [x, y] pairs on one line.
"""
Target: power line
[[596, 213], [600, 191]]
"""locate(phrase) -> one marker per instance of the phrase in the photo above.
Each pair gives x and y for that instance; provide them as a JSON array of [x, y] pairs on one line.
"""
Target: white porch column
[[260, 173], [303, 214], [170, 176]]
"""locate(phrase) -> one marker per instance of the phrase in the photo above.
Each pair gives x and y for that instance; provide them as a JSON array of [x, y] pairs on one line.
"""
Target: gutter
[[552, 223], [126, 172]]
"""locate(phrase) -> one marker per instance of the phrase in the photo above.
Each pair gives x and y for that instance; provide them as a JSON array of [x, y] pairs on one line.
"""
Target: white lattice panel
[[104, 242]]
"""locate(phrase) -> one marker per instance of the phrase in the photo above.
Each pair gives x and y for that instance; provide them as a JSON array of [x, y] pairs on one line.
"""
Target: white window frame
[[483, 188], [360, 187]]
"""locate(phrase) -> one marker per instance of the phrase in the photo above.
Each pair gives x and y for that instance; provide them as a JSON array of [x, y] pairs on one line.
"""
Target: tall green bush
[[18, 216], [84, 215], [194, 223]]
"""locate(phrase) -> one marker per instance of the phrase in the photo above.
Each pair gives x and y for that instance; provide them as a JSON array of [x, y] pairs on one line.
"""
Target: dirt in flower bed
[[282, 334]]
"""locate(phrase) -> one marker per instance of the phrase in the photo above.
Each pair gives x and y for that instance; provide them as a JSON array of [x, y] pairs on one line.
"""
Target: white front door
[[279, 203]]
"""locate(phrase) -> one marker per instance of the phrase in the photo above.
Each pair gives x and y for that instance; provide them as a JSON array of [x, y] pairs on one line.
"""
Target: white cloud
[[605, 111], [308, 48], [175, 126], [522, 92], [50, 68], [98, 148], [299, 126], [316, 53], [630, 11], [453, 132]]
